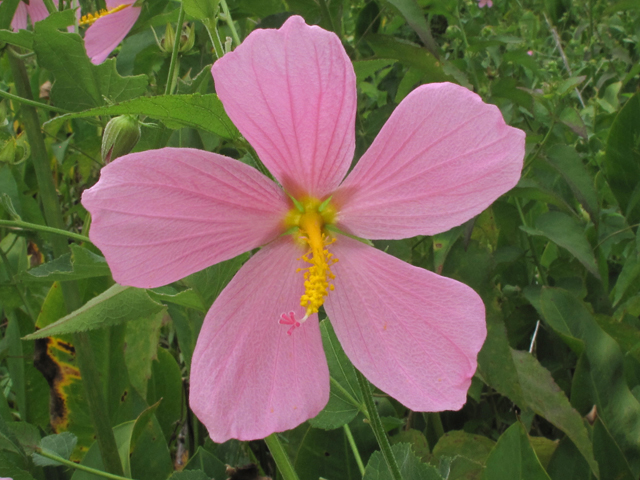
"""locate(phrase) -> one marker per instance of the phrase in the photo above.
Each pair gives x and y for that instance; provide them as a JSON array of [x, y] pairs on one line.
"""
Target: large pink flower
[[35, 9], [108, 28], [259, 366]]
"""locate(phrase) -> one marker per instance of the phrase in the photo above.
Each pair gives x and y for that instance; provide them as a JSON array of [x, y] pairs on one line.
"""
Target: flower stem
[[53, 215], [354, 448], [168, 90], [32, 103], [43, 228], [80, 467], [280, 456], [229, 21], [378, 430]]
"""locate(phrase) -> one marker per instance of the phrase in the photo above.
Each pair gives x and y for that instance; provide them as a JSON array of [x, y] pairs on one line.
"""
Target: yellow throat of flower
[[308, 220], [89, 18]]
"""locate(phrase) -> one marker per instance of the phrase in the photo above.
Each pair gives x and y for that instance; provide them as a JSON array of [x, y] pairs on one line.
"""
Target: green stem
[[53, 215], [32, 103], [280, 456], [43, 228], [354, 448], [536, 260], [79, 466], [229, 21], [174, 53], [22, 295], [376, 426], [51, 8]]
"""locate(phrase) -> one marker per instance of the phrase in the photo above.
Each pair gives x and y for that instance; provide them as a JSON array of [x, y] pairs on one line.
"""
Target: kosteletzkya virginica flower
[[107, 28], [259, 367]]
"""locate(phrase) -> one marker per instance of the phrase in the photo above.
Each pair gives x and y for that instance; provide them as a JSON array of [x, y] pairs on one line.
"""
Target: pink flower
[[35, 10], [259, 367], [485, 3], [108, 28]]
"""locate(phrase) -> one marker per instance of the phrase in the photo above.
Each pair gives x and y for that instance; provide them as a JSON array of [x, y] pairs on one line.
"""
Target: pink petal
[[19, 21], [37, 10], [107, 32], [292, 94], [442, 158], [248, 377], [163, 214], [412, 333]]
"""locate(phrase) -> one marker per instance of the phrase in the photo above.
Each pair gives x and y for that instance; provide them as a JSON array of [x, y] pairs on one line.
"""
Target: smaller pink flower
[[530, 53], [35, 9], [108, 28], [485, 3]]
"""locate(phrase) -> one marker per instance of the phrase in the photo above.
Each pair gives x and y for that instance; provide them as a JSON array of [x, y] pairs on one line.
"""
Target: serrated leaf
[[546, 399], [204, 112], [61, 445], [345, 399], [411, 468], [116, 305], [79, 264], [468, 453], [513, 458], [186, 298], [80, 84], [567, 233]]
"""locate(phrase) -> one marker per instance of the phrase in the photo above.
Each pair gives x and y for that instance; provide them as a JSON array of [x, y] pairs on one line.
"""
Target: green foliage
[[556, 260]]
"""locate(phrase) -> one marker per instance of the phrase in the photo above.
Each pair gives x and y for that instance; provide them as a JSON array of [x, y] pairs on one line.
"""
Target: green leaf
[[208, 283], [513, 458], [468, 453], [190, 475], [141, 346], [201, 9], [412, 13], [569, 164], [567, 464], [546, 399], [208, 463], [567, 233], [599, 373], [622, 157], [186, 298], [79, 84], [79, 264], [411, 468], [61, 445], [612, 462], [166, 385], [7, 10], [117, 305], [204, 112], [411, 55], [10, 470], [345, 399], [366, 68]]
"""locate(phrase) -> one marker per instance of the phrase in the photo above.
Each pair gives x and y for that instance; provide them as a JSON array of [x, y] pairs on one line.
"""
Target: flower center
[[89, 18], [310, 217]]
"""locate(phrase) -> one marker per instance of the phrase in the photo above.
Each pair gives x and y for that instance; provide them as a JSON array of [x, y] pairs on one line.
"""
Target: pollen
[[311, 217], [89, 18]]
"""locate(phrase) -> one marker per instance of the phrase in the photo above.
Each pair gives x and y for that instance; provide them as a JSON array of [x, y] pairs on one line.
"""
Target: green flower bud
[[188, 38], [120, 136]]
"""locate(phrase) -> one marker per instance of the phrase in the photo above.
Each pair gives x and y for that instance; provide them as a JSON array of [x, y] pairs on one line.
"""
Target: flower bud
[[120, 136]]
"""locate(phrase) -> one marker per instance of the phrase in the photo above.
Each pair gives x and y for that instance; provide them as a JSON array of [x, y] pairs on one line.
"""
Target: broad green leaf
[[7, 10], [622, 158], [117, 305], [345, 400], [513, 458], [79, 84], [414, 16], [366, 68], [190, 475], [531, 189], [79, 264], [61, 445], [567, 464], [546, 399], [566, 232], [495, 362], [208, 283], [204, 112], [411, 468], [10, 470], [166, 385], [599, 371], [141, 346], [468, 453], [417, 440], [207, 463], [26, 434], [612, 462], [186, 298], [411, 55], [201, 9], [569, 164]]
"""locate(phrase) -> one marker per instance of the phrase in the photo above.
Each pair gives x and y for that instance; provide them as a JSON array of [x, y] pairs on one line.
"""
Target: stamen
[[89, 18]]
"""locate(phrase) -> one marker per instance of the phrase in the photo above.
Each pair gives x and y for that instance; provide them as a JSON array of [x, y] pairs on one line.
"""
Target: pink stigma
[[289, 319]]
